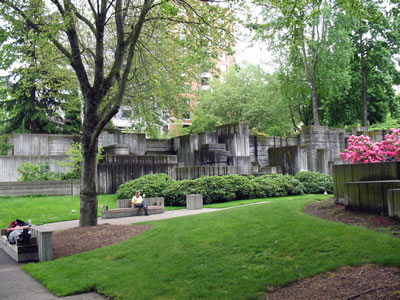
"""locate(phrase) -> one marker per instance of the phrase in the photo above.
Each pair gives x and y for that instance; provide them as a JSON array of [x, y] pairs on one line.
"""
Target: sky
[[256, 53]]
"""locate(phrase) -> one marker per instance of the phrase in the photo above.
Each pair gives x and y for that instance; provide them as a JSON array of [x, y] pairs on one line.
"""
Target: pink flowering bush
[[362, 150]]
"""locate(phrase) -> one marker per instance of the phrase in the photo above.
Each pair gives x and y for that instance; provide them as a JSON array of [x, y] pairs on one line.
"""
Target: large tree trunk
[[88, 207], [314, 86]]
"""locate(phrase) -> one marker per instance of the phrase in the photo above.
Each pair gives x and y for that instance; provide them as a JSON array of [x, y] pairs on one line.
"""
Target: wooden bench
[[39, 248], [155, 206]]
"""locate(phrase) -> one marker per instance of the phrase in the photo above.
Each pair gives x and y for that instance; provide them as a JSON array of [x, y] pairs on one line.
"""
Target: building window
[[125, 114], [205, 81], [222, 56]]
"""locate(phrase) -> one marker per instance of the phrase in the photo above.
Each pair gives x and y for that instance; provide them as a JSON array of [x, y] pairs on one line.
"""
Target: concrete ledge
[[53, 187], [129, 212], [194, 201]]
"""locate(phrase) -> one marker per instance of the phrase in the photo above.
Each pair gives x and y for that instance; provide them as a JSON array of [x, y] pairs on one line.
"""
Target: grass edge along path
[[50, 209], [231, 254]]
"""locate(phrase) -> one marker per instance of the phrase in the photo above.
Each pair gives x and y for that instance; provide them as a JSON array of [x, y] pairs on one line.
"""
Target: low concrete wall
[[198, 171], [56, 188]]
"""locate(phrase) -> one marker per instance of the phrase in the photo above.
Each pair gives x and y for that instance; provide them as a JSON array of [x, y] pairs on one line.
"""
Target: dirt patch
[[81, 239], [361, 282], [330, 210]]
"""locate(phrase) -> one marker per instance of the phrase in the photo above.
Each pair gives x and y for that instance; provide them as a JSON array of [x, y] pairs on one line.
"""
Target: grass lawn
[[230, 254], [49, 209], [46, 209]]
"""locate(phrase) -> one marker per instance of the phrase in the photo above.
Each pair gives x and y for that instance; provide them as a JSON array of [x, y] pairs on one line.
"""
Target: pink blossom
[[361, 149]]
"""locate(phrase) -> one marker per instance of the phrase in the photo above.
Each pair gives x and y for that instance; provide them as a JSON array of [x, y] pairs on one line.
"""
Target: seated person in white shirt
[[139, 202]]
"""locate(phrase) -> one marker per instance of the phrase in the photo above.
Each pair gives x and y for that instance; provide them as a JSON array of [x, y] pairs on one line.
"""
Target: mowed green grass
[[46, 209], [230, 254]]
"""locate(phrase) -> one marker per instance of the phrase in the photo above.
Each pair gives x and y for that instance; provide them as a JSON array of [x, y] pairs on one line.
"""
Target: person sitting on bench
[[17, 230], [139, 202]]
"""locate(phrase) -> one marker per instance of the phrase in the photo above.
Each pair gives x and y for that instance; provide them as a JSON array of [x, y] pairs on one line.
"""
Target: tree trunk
[[364, 91], [88, 199], [314, 86]]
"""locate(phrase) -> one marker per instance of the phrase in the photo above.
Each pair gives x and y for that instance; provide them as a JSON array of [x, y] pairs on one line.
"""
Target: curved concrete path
[[15, 284]]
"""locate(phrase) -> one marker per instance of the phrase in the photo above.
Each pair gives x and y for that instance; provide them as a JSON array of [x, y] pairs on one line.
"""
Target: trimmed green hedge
[[226, 188], [315, 182], [152, 185]]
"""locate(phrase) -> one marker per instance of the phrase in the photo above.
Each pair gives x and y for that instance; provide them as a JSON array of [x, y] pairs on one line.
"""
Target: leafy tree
[[376, 39], [301, 26], [246, 94], [103, 66], [38, 85]]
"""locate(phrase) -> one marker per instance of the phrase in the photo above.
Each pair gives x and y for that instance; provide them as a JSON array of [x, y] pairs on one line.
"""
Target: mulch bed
[[361, 282], [81, 239]]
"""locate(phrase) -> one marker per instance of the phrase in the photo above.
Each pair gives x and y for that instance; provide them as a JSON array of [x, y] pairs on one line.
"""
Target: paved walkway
[[15, 284]]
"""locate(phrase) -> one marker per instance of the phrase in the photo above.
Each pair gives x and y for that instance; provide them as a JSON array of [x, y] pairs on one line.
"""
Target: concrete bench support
[[45, 242], [393, 203], [40, 246], [194, 201]]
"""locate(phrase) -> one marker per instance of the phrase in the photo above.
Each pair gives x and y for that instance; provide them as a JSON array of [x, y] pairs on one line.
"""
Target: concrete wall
[[19, 188], [160, 146], [236, 138], [119, 169], [185, 147], [136, 141], [291, 159], [10, 163], [41, 144], [198, 171]]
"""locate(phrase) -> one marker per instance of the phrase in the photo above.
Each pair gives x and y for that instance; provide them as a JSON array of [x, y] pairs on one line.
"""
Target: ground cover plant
[[229, 254]]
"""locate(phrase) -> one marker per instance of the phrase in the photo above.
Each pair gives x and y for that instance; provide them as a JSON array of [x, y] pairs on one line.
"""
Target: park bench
[[155, 206], [39, 248]]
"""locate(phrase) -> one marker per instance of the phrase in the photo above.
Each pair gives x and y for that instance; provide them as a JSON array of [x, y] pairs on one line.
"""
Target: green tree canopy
[[246, 94]]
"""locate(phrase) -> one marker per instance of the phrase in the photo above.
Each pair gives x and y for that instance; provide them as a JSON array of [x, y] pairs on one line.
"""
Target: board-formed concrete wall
[[291, 159], [56, 188], [136, 141], [41, 144], [10, 163], [117, 170]]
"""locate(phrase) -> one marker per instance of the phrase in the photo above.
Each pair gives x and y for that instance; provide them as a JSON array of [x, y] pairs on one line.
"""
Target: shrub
[[4, 144], [153, 185], [215, 189], [277, 185], [35, 172], [315, 182], [175, 194], [242, 186]]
